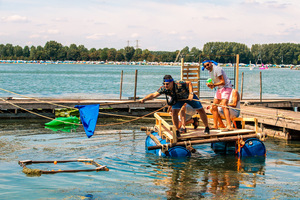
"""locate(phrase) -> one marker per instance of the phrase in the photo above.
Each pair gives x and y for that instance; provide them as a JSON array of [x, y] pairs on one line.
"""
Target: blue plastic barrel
[[176, 151], [253, 147]]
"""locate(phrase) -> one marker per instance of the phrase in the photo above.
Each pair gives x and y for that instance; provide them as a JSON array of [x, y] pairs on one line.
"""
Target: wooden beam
[[213, 140]]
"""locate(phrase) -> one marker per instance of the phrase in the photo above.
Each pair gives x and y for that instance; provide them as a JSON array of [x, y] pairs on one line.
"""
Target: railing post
[[260, 84], [242, 86], [121, 84], [135, 84], [237, 72]]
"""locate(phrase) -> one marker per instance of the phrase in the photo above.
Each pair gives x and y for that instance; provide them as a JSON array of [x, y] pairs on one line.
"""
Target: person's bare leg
[[203, 116], [220, 122], [226, 113], [182, 114], [175, 118], [215, 113]]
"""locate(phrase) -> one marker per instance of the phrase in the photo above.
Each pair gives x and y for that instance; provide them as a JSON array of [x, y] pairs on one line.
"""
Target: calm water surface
[[103, 81], [133, 173]]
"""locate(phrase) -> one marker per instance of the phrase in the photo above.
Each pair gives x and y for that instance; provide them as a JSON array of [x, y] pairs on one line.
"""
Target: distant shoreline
[[297, 67]]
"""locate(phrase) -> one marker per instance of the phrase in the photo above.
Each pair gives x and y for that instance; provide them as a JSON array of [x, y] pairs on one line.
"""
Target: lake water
[[103, 81], [133, 173]]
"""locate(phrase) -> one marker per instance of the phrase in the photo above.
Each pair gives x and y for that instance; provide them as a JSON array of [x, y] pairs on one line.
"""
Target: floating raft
[[162, 140], [38, 172]]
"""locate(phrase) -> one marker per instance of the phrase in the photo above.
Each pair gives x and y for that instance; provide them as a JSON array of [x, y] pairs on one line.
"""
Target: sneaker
[[206, 131], [182, 130], [178, 133], [195, 123]]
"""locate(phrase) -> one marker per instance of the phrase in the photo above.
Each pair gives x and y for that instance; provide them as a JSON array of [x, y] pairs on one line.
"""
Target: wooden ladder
[[191, 73]]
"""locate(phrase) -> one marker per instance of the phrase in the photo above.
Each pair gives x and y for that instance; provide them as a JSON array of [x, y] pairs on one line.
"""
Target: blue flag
[[89, 116]]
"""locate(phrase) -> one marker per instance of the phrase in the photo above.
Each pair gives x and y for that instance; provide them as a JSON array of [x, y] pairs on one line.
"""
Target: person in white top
[[234, 102], [222, 82]]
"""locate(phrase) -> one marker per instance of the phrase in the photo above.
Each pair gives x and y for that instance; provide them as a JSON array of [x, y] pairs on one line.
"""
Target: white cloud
[[15, 18], [135, 35], [35, 36], [98, 36], [53, 32], [215, 17], [160, 25]]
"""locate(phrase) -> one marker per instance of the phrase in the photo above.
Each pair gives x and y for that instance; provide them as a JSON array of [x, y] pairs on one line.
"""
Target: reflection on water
[[202, 178], [133, 173]]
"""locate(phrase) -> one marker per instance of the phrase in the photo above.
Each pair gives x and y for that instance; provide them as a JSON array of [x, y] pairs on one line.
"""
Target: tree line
[[223, 52]]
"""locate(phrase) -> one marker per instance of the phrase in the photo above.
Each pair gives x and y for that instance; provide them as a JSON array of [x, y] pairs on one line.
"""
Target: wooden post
[[182, 65], [121, 84], [237, 72], [242, 86], [135, 84], [260, 84]]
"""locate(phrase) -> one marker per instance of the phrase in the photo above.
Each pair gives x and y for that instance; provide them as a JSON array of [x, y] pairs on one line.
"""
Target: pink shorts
[[223, 93]]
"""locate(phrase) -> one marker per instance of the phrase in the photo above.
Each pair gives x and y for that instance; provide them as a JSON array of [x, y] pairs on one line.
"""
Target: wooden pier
[[273, 121], [16, 107]]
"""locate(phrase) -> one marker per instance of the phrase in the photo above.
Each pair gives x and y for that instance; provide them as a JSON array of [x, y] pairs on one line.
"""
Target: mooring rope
[[270, 116], [81, 124], [134, 119], [59, 105]]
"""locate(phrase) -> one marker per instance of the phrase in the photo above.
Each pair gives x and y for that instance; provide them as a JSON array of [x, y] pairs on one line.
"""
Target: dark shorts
[[194, 104]]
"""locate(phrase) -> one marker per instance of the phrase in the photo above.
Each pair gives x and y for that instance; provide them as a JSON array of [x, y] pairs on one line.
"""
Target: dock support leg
[[262, 127], [174, 134]]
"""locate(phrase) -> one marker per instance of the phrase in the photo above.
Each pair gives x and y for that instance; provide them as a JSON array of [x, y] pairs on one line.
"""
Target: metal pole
[[135, 84], [121, 84], [260, 83], [182, 66], [237, 72], [242, 86]]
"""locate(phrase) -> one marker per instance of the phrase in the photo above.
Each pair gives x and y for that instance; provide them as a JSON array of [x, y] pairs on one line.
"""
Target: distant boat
[[264, 67]]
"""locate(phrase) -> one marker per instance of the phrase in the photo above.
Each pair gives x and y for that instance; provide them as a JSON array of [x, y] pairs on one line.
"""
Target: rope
[[68, 106], [81, 124], [134, 119], [270, 116]]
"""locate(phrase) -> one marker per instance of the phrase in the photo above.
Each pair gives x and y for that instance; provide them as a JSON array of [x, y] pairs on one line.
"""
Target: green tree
[[9, 51], [137, 56], [73, 53], [18, 52], [26, 52], [103, 54], [146, 54], [40, 53], [84, 53], [52, 50], [129, 52], [111, 54], [33, 52], [120, 55], [94, 54]]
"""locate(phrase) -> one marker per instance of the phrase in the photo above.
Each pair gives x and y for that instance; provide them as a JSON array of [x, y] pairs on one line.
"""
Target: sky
[[156, 25]]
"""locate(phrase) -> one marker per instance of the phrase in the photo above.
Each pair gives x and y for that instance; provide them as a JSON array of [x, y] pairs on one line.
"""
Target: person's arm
[[150, 96], [190, 86], [220, 83], [235, 98]]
